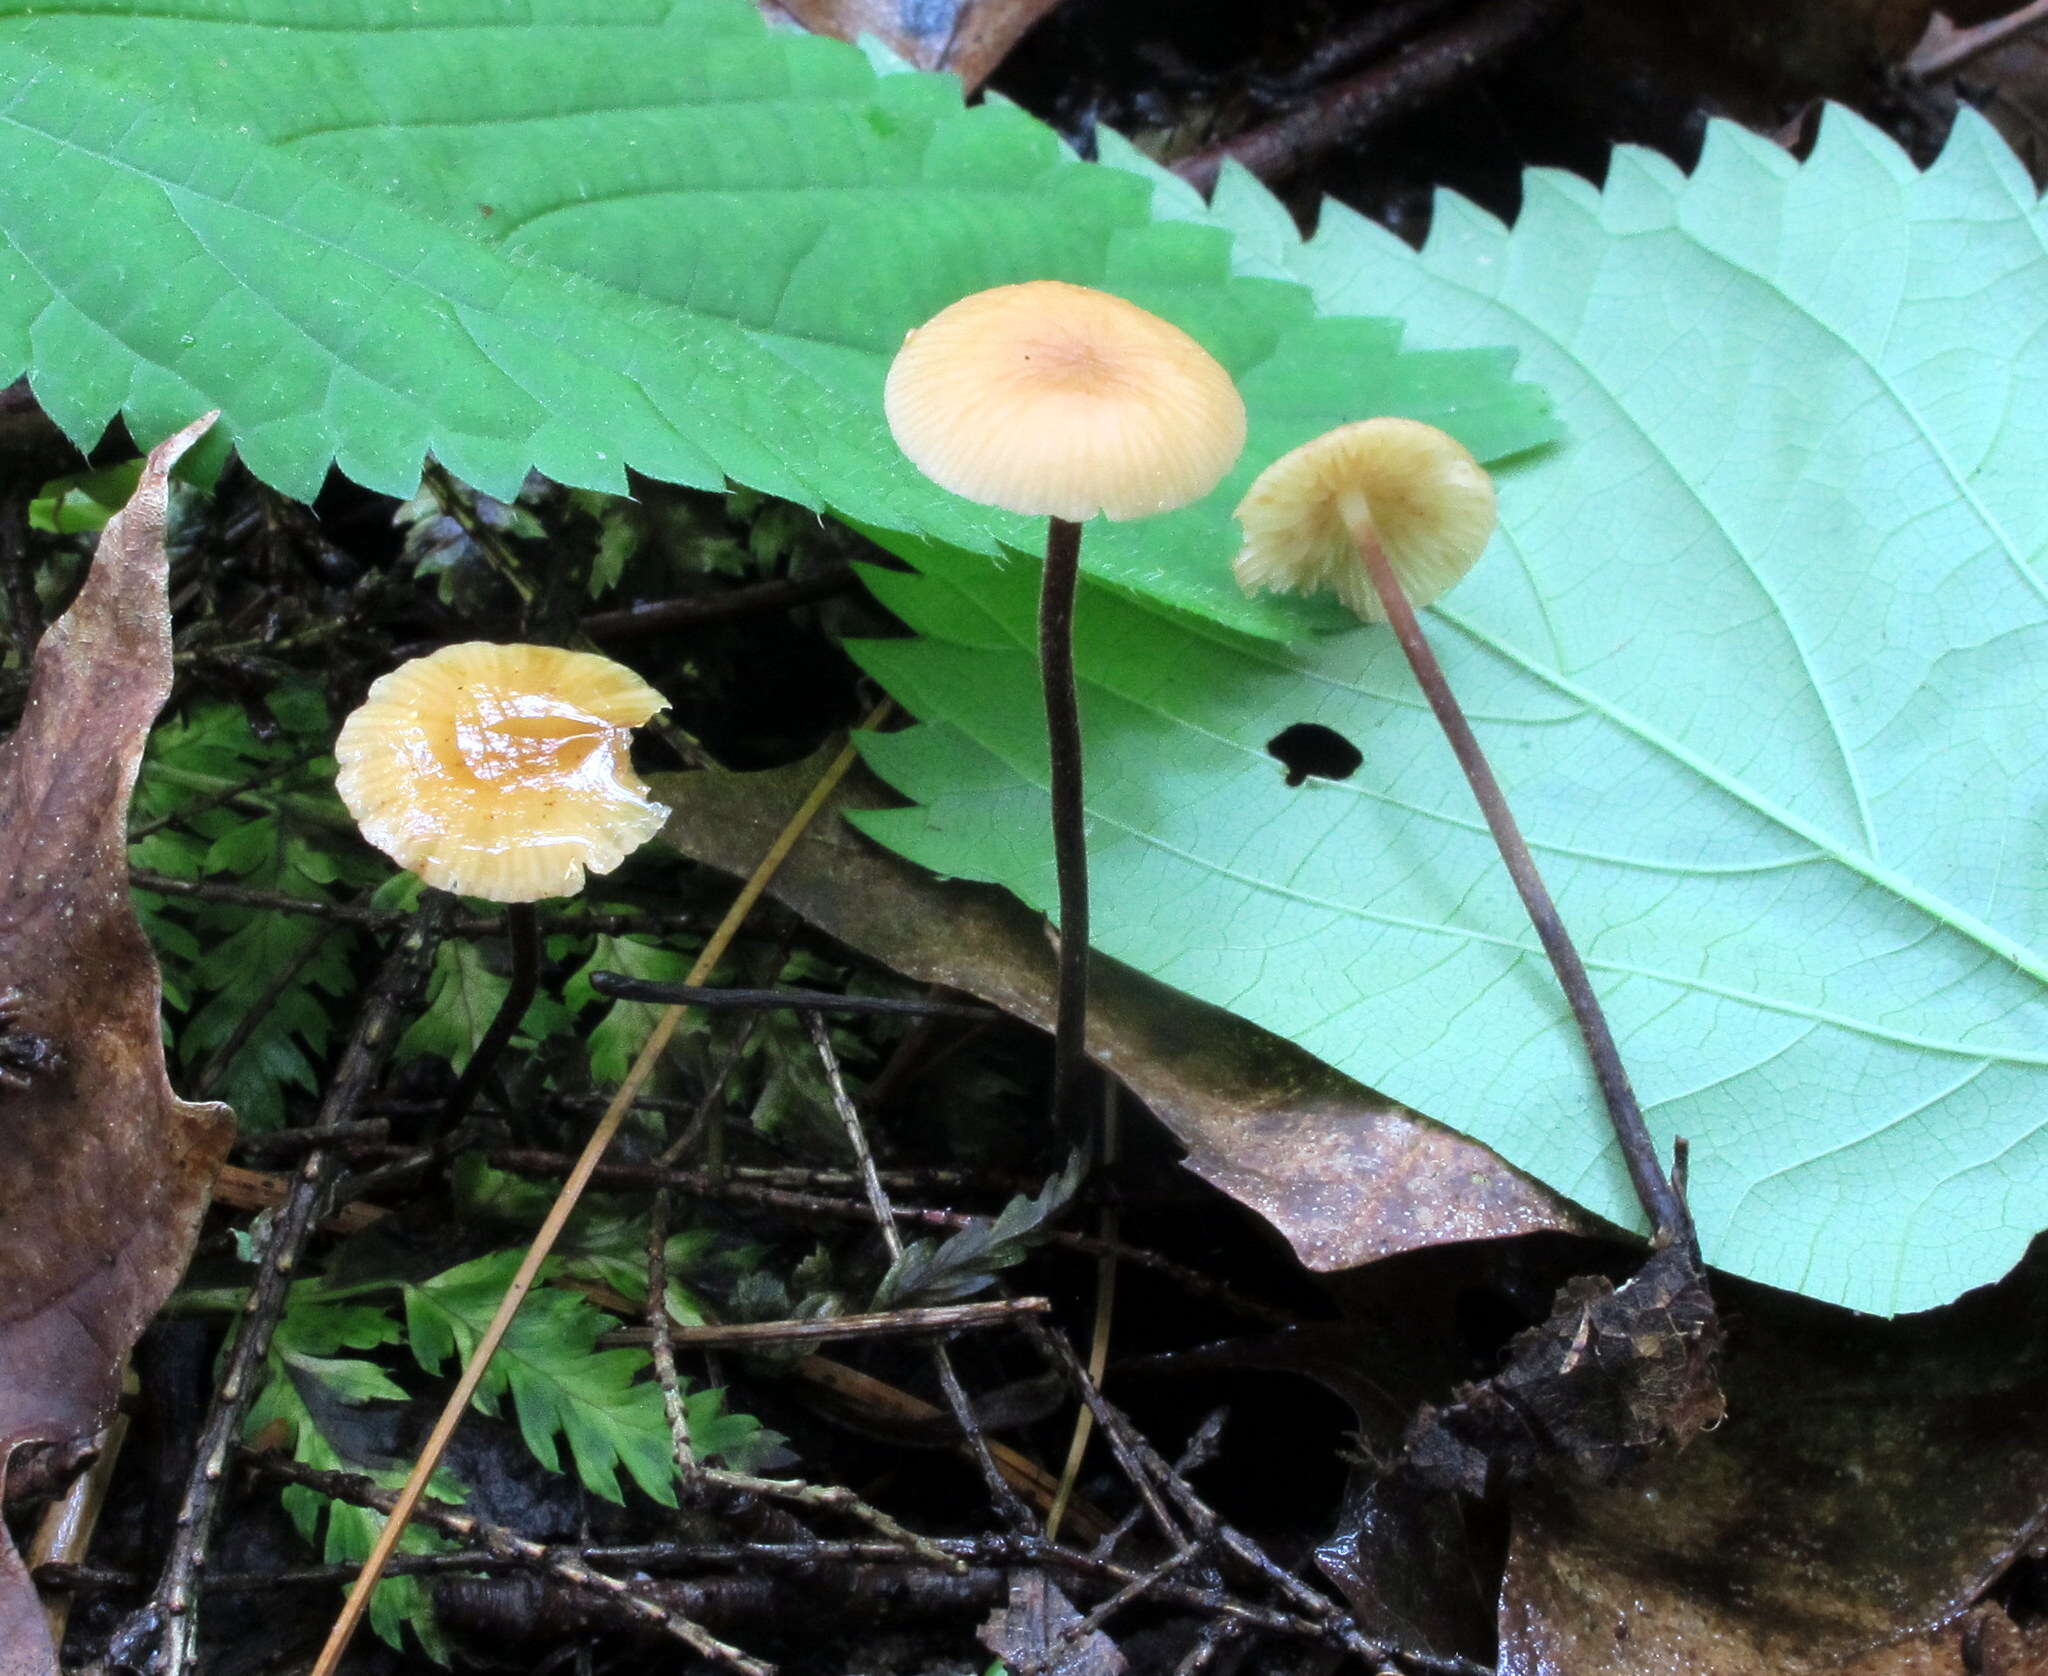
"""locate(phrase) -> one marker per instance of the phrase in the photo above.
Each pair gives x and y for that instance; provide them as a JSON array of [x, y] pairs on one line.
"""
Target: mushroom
[[1408, 487], [500, 772], [1062, 402], [1388, 514]]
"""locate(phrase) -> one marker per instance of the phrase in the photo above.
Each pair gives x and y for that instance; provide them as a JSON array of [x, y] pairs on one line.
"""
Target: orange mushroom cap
[[1409, 486], [500, 771], [1058, 401]]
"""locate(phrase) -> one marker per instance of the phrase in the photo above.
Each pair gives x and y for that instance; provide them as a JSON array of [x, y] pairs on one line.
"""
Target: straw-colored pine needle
[[1105, 1309]]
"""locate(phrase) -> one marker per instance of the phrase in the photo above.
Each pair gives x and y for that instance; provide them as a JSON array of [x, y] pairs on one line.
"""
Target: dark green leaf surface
[[647, 233]]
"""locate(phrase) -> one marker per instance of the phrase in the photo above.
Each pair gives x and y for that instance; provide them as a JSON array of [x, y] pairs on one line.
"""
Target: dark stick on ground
[[169, 1623], [522, 927], [1069, 810], [1669, 1219], [830, 1329], [661, 1333], [1381, 29], [784, 593], [799, 1557], [388, 919], [1342, 111], [619, 987], [620, 1597]]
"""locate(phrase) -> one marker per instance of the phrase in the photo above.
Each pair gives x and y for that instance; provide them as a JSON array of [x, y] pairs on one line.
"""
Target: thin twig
[[618, 986], [375, 1129], [273, 901], [1201, 1448], [661, 1335], [385, 919], [1378, 31], [1105, 1306], [1668, 1216], [830, 1329], [1054, 1346], [170, 1622], [856, 1136], [1009, 1550], [558, 1213], [1390, 88], [664, 616]]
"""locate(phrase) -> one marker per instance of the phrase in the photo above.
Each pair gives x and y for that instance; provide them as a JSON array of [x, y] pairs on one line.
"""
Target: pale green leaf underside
[[584, 234], [1761, 657]]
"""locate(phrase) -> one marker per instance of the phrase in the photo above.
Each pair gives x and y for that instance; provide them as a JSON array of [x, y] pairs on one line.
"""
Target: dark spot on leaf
[[1310, 748]]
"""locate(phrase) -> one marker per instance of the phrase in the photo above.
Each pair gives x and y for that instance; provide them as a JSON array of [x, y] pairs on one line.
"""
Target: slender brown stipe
[[522, 929], [1669, 1219], [1069, 813]]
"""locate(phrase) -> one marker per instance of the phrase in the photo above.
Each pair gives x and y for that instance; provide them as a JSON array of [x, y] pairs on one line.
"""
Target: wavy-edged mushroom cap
[[500, 771], [1052, 399], [1419, 492]]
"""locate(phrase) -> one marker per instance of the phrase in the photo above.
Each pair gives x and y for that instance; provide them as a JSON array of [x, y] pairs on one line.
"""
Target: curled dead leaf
[[104, 1172], [1872, 1481]]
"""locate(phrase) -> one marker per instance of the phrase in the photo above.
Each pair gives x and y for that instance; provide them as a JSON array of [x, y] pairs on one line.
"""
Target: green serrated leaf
[[1760, 656], [943, 1272], [560, 1383], [654, 234]]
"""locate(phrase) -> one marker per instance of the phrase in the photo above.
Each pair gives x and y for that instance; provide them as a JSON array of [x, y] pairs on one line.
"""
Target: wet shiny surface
[[501, 771]]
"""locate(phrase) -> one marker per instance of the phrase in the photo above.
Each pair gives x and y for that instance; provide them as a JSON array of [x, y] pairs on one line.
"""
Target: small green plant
[[331, 1408]]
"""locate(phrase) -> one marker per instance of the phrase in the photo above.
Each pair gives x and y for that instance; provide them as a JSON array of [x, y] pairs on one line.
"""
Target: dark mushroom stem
[[1670, 1221], [1069, 815], [522, 930]]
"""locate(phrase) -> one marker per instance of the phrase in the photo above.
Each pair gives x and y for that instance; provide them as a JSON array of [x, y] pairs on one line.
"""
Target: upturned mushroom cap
[[1426, 500], [500, 771], [1062, 402]]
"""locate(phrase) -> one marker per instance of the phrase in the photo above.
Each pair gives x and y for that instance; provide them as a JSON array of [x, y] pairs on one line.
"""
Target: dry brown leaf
[[1344, 1174], [968, 37], [104, 1171], [1614, 1374], [2002, 67], [1871, 1482]]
